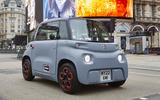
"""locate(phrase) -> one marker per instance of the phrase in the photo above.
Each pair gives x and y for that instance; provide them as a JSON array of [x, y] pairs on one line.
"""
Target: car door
[[44, 48]]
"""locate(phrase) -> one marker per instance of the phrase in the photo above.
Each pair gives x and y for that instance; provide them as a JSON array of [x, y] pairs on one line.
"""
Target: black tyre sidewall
[[75, 85], [30, 76]]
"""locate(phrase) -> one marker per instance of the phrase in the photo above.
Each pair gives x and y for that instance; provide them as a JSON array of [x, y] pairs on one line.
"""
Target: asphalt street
[[143, 83]]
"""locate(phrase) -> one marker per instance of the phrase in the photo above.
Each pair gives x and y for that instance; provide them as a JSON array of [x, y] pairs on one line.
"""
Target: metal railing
[[7, 50], [19, 51]]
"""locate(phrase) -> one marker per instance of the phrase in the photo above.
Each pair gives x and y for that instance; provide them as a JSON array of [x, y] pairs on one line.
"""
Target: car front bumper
[[91, 73]]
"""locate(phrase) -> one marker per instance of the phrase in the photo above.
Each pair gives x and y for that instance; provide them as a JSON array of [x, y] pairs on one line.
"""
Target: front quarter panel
[[65, 51], [28, 51], [89, 73]]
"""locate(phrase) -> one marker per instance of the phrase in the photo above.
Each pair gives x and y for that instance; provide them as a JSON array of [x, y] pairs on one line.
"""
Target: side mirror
[[52, 37]]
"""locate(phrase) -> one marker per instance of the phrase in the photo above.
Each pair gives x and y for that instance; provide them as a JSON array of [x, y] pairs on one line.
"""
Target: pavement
[[142, 83], [147, 62]]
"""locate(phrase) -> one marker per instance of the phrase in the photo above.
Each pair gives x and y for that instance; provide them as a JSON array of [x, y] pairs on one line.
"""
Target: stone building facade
[[142, 31], [12, 17]]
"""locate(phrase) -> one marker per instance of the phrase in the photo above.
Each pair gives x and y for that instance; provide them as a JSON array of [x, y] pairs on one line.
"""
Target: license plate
[[105, 75]]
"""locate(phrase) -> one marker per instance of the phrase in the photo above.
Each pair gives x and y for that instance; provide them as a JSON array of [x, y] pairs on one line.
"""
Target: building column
[[159, 39], [119, 41], [115, 37], [127, 43], [144, 43], [4, 30]]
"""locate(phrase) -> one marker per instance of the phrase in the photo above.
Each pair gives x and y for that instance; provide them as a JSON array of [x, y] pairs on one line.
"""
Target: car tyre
[[67, 77], [27, 70], [116, 84]]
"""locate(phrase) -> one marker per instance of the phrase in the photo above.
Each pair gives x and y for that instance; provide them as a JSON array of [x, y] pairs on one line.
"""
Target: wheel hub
[[26, 69], [65, 78]]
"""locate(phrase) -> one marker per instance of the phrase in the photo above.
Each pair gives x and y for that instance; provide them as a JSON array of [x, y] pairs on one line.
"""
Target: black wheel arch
[[25, 57]]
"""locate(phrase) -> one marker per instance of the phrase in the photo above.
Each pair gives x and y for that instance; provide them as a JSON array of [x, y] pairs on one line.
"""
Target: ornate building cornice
[[151, 2], [18, 2]]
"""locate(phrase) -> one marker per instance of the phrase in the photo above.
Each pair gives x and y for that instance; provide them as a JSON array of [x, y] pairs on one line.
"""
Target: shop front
[[139, 40], [138, 44], [122, 30]]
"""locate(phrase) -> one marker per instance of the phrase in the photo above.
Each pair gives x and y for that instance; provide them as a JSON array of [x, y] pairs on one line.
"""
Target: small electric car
[[74, 51]]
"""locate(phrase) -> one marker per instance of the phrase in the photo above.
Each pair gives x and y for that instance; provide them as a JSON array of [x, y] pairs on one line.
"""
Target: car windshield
[[89, 30]]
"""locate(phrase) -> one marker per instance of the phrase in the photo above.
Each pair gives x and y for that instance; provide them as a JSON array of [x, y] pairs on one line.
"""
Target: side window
[[48, 31], [63, 30]]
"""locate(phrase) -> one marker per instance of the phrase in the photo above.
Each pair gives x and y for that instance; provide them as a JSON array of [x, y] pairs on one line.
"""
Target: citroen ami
[[74, 51]]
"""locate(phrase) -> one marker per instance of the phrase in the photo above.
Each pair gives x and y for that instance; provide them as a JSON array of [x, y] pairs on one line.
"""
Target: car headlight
[[87, 58], [120, 58]]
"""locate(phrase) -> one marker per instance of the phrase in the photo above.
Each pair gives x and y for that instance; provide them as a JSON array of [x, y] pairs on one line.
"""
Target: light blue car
[[74, 51]]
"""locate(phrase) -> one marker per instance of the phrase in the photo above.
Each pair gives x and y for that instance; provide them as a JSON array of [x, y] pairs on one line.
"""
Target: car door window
[[48, 31]]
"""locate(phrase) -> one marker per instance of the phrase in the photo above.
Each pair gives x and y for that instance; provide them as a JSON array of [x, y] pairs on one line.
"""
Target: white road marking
[[143, 98], [152, 69], [144, 74]]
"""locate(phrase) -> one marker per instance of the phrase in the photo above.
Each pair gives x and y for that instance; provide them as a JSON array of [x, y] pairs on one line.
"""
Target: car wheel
[[116, 84], [67, 77], [27, 70]]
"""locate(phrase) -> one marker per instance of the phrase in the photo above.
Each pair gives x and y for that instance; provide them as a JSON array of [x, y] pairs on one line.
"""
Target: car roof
[[58, 19]]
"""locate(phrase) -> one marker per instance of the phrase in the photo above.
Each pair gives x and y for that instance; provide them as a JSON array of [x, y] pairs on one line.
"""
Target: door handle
[[31, 46]]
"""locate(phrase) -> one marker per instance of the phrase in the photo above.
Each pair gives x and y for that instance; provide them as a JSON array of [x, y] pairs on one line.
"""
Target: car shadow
[[84, 90], [100, 88]]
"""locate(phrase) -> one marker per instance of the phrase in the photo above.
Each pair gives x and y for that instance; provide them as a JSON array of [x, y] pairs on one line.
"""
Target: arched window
[[153, 27], [152, 30], [138, 28], [122, 28]]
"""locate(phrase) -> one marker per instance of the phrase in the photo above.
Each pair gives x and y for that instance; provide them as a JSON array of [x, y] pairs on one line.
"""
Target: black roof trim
[[57, 19]]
